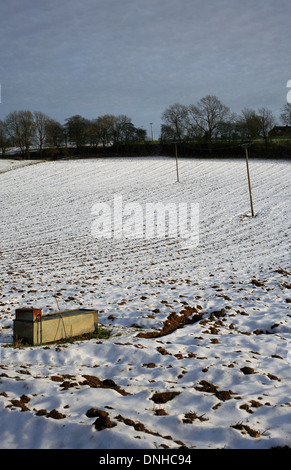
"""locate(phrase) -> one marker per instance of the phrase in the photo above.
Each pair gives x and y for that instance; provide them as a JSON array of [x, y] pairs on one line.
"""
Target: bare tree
[[109, 129], [167, 133], [124, 130], [194, 130], [105, 128], [20, 126], [140, 134], [285, 116], [252, 124], [227, 128], [77, 127], [55, 133], [42, 122], [248, 124], [206, 115], [267, 122], [175, 118], [93, 133], [4, 138]]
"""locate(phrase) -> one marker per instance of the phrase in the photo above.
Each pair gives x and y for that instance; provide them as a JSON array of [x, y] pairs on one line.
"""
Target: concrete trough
[[31, 327]]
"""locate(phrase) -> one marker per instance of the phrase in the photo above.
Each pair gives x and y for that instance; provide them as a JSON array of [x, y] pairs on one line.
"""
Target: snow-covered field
[[223, 381]]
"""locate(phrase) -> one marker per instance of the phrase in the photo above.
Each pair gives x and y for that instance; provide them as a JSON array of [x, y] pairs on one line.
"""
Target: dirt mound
[[208, 387], [138, 426], [192, 416], [188, 315], [246, 429], [247, 370], [55, 414], [163, 397], [95, 382], [21, 403], [103, 421]]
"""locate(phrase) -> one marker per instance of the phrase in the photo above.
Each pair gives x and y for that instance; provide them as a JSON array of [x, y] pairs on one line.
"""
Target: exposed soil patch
[[188, 316], [248, 370], [219, 313], [163, 351], [56, 378], [55, 414], [257, 283], [253, 404], [41, 412], [273, 377], [246, 429], [138, 426], [163, 397], [208, 387], [21, 403], [94, 413], [94, 382], [103, 421], [282, 271], [160, 412], [191, 416]]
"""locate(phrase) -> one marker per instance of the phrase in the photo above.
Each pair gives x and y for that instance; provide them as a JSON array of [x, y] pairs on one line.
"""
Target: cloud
[[137, 57]]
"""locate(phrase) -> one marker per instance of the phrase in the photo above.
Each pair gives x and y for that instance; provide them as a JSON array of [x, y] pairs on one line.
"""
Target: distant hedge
[[184, 150]]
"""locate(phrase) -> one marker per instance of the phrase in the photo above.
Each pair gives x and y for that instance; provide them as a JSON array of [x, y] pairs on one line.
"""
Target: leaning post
[[245, 146], [176, 153]]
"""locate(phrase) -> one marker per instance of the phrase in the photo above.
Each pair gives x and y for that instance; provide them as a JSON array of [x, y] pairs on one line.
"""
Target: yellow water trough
[[32, 327]]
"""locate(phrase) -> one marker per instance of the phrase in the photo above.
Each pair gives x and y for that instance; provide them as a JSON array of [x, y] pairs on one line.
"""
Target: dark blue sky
[[137, 57]]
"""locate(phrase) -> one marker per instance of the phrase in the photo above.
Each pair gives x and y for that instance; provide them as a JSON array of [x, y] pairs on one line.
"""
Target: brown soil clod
[[21, 403], [103, 421], [191, 416], [257, 283], [247, 370], [245, 428], [208, 387], [95, 413], [188, 316], [95, 382], [55, 414], [163, 397]]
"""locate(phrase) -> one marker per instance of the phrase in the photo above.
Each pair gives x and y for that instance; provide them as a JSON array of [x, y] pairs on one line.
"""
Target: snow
[[238, 276], [8, 164]]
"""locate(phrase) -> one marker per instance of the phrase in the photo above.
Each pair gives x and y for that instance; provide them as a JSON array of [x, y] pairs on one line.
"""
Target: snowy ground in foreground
[[231, 370]]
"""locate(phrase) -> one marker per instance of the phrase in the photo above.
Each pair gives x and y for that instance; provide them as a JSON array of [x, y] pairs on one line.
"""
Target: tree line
[[204, 122], [24, 129], [210, 119]]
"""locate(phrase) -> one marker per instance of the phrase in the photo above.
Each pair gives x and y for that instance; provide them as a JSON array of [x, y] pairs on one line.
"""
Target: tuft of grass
[[100, 333]]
